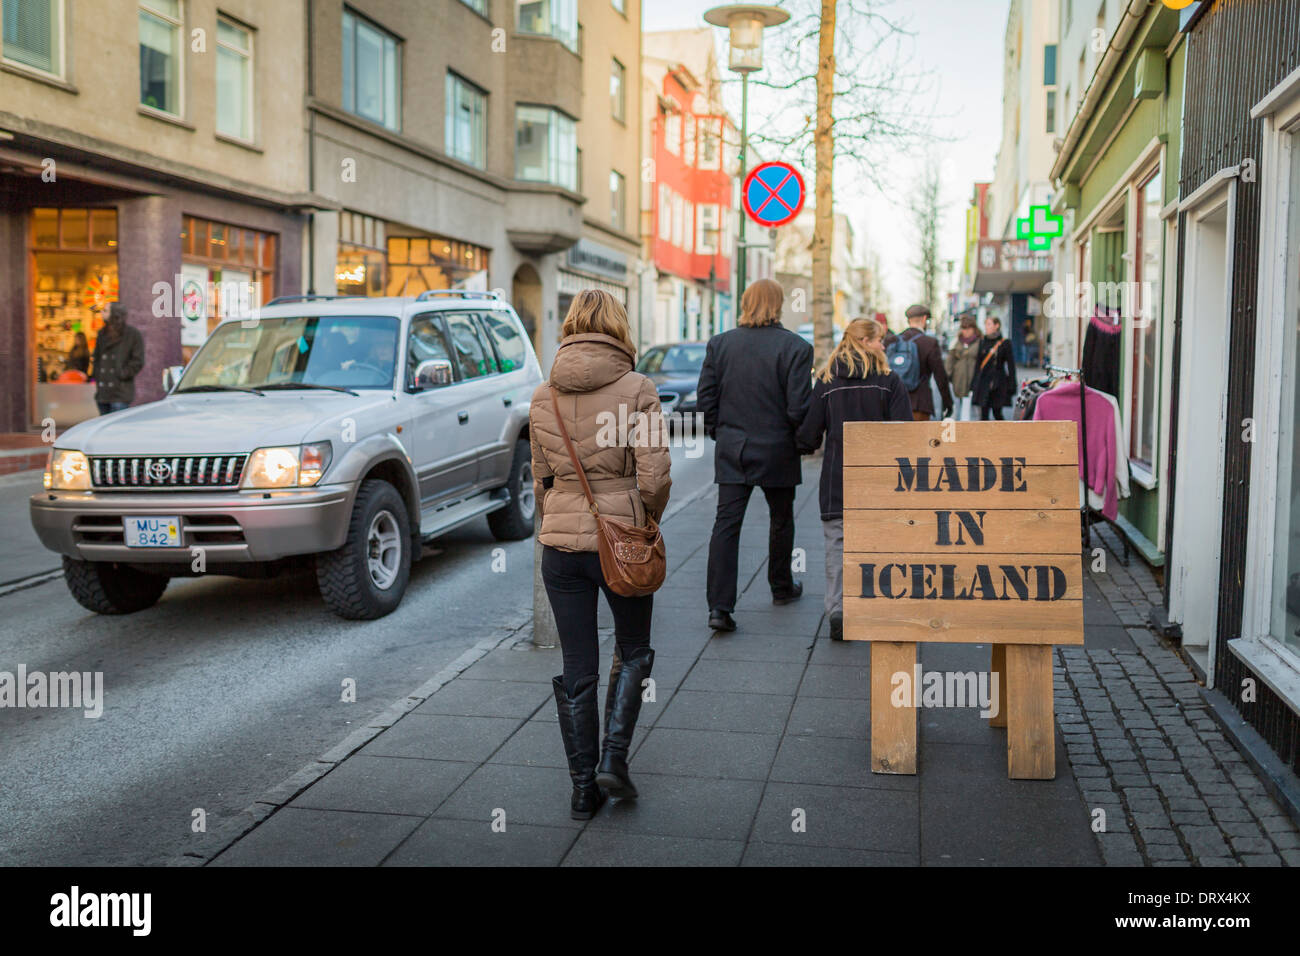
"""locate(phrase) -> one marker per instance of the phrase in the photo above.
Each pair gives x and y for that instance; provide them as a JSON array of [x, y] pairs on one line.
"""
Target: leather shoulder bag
[[633, 560]]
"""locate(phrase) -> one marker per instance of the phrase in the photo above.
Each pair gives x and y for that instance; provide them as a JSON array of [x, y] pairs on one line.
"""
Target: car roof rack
[[459, 293], [281, 299]]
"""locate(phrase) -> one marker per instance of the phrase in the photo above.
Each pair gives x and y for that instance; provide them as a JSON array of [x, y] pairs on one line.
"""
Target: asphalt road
[[223, 690]]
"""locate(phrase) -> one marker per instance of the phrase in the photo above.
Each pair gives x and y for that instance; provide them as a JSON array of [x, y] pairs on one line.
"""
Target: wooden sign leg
[[893, 729], [998, 665], [1031, 737]]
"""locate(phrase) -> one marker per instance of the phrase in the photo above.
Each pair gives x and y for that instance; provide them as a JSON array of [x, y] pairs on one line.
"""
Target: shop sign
[[602, 260]]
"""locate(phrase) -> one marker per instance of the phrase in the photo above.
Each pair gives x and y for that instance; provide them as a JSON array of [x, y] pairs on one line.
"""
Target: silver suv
[[330, 431]]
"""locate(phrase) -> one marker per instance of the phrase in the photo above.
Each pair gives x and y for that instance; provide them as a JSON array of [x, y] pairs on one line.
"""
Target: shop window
[[617, 90], [617, 200], [553, 18], [545, 146], [372, 72], [707, 236], [478, 6], [1284, 622], [234, 80], [1143, 394], [226, 268], [160, 53], [33, 34], [466, 121], [420, 263], [710, 142]]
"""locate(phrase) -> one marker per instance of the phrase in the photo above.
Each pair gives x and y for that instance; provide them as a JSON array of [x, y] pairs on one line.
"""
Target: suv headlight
[[291, 466], [67, 471]]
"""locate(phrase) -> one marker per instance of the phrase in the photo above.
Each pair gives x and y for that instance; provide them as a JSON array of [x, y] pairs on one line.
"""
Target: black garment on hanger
[[1101, 352]]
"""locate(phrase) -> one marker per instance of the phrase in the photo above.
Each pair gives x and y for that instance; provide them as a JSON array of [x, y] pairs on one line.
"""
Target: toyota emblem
[[160, 471]]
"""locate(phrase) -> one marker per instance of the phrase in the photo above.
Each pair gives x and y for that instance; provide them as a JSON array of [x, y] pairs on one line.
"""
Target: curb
[[225, 835]]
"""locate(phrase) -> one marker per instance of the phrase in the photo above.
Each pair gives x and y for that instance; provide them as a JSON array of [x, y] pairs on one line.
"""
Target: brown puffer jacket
[[628, 475]]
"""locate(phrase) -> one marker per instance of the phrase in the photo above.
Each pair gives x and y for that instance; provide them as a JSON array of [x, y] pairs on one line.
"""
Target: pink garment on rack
[[1061, 404]]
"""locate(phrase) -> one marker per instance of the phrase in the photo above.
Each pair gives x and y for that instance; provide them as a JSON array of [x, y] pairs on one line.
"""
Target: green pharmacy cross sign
[[1040, 227]]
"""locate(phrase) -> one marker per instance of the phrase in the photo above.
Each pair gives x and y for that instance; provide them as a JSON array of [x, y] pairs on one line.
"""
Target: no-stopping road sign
[[773, 194]]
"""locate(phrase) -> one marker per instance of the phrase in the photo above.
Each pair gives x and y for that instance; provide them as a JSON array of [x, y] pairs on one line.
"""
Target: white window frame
[[618, 200], [673, 133], [399, 68], [451, 85], [250, 99], [179, 24], [703, 245], [1277, 664], [1142, 473], [711, 130], [665, 213], [618, 104], [59, 11]]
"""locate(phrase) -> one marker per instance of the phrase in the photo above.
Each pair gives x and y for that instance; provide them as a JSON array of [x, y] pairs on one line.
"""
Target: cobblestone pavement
[[1149, 755]]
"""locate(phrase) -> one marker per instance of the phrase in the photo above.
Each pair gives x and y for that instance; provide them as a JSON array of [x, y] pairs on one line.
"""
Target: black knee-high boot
[[580, 731], [623, 708]]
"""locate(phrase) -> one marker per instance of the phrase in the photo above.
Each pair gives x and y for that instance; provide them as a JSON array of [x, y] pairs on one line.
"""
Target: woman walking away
[[995, 374], [961, 363], [592, 384], [855, 386]]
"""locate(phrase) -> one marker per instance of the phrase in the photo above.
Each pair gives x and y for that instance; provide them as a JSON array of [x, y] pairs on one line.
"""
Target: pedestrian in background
[[856, 385], [78, 359], [592, 378], [995, 373], [753, 393], [928, 365], [116, 361], [960, 364]]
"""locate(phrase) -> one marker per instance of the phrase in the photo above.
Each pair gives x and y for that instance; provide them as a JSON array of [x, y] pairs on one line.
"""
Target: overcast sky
[[960, 43]]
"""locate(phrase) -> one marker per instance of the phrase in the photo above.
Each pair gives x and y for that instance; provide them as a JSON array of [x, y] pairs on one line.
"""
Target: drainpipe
[[311, 146], [1128, 26]]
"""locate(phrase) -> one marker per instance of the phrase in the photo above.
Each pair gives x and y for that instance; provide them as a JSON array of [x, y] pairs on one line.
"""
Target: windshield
[[677, 358], [338, 351]]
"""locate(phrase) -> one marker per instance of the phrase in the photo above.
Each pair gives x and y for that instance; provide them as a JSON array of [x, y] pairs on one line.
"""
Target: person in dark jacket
[[995, 372], [930, 355], [117, 360], [753, 393], [855, 386], [78, 359]]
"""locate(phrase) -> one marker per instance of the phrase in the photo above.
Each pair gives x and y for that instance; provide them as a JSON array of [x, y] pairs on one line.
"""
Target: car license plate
[[155, 532]]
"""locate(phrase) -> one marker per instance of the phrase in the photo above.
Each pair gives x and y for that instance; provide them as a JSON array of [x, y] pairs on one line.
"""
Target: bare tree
[[926, 209], [841, 94]]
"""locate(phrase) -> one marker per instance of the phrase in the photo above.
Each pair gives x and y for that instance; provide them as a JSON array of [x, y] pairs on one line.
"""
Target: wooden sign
[[964, 532]]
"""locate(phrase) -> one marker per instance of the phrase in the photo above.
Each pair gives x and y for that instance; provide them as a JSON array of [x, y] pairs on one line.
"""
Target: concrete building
[[474, 144], [151, 152]]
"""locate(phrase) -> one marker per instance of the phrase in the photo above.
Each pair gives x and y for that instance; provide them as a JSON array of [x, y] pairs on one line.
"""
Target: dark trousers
[[107, 408], [724, 546], [990, 412], [573, 579]]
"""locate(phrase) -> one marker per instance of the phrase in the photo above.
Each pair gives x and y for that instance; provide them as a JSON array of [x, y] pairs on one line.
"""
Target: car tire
[[366, 578], [515, 521], [107, 588]]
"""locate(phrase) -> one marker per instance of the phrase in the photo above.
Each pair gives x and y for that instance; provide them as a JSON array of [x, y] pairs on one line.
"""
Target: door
[[444, 457], [1202, 426]]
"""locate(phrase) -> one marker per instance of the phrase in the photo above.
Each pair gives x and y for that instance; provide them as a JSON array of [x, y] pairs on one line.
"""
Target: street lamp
[[745, 23]]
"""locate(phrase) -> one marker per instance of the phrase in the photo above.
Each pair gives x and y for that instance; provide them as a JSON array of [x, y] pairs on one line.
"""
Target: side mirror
[[171, 375], [433, 373]]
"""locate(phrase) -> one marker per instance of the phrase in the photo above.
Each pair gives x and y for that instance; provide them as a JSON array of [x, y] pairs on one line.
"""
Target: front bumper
[[235, 527]]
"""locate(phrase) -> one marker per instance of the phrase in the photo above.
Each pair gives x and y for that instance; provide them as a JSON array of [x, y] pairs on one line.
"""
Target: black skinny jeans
[[573, 579], [991, 413]]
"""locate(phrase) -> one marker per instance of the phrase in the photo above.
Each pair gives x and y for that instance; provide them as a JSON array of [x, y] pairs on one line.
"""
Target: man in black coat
[[754, 391], [930, 356], [116, 361]]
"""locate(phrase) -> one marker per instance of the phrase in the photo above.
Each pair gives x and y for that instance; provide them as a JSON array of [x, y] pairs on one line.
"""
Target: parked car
[[333, 432], [675, 370]]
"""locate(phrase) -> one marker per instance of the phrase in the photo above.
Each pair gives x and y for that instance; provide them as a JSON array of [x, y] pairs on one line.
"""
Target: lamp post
[[745, 23]]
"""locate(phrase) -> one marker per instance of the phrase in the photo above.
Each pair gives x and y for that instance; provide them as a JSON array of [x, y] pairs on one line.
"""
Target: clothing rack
[[1085, 510]]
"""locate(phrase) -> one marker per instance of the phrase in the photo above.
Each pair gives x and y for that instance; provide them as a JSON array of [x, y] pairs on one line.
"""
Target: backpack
[[905, 361]]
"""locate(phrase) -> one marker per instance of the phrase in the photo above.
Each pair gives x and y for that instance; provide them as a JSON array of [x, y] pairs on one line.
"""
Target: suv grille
[[185, 471]]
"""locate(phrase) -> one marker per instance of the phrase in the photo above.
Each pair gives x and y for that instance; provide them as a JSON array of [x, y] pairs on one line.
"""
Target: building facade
[[151, 153]]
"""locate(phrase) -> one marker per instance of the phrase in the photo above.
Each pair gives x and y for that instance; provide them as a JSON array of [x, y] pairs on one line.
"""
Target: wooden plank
[[962, 622], [948, 531], [1028, 581], [1038, 443], [998, 666], [1031, 738], [893, 729], [1047, 488]]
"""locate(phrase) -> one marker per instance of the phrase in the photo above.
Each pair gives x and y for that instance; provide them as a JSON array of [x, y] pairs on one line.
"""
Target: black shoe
[[624, 708], [789, 597], [580, 731], [837, 625], [721, 621]]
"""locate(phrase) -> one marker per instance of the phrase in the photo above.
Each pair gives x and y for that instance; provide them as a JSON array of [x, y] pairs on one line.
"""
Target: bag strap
[[990, 353], [573, 452]]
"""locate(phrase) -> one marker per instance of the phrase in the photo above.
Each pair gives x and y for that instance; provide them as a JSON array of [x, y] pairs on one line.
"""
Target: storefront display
[[233, 269], [420, 263]]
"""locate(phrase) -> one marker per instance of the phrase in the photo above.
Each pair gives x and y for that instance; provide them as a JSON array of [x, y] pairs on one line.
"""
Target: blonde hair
[[862, 349], [761, 304], [595, 310]]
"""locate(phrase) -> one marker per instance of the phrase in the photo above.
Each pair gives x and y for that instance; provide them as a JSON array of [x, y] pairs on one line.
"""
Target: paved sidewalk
[[755, 752]]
